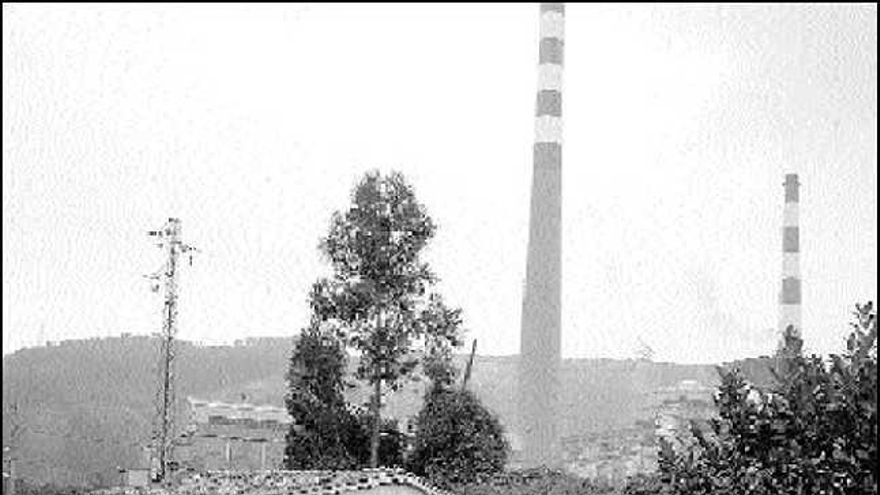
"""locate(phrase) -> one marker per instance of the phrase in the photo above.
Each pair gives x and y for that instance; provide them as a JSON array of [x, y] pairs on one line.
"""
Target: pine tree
[[324, 434]]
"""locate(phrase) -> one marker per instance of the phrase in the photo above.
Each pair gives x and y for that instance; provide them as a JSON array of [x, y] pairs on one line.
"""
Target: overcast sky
[[252, 124]]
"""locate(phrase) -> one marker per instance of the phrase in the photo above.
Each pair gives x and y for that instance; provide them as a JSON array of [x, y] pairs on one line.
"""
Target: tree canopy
[[377, 299]]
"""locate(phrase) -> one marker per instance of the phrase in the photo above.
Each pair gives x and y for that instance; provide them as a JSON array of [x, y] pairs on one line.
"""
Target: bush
[[458, 440], [329, 440], [390, 442], [324, 433], [815, 432]]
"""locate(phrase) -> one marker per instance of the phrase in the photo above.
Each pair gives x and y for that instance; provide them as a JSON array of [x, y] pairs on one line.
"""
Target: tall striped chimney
[[790, 296], [540, 355]]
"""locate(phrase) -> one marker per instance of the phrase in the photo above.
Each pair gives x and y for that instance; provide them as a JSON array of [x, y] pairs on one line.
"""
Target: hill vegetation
[[86, 406]]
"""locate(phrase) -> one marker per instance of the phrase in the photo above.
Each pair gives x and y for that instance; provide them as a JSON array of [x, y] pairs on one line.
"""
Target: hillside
[[87, 405]]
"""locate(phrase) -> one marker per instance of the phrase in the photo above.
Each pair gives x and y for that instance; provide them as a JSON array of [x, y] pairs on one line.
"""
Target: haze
[[252, 123]]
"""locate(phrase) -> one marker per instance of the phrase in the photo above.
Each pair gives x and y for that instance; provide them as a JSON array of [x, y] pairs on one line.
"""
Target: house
[[137, 474], [135, 477], [234, 436], [684, 406]]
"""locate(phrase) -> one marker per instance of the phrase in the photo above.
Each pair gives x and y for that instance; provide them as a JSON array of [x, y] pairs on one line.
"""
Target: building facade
[[222, 435]]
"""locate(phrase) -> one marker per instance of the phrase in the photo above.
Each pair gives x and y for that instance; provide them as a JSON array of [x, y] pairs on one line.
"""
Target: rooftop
[[203, 410], [286, 482]]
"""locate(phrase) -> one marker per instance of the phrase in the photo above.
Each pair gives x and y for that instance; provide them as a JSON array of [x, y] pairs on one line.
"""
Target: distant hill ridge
[[87, 405]]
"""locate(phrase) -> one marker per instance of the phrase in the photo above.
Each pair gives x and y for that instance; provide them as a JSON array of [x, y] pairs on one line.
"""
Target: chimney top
[[791, 188], [553, 7]]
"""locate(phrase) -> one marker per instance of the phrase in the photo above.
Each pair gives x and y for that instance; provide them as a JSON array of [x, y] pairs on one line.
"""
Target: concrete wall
[[137, 477]]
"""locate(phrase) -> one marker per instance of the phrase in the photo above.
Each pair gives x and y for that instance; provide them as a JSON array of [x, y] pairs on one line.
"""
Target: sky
[[252, 123]]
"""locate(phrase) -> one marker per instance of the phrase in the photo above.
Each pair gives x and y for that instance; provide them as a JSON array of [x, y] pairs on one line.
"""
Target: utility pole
[[12, 479], [470, 365], [17, 427], [9, 470], [169, 240]]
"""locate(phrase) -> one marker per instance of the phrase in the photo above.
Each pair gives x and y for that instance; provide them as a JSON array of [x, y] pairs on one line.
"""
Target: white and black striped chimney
[[540, 355], [790, 295]]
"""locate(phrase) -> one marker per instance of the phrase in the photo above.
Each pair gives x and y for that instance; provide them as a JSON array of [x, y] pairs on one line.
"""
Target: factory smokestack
[[541, 315], [790, 296]]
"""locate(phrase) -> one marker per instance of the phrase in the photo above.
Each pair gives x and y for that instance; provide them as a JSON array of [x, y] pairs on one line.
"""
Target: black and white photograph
[[439, 249]]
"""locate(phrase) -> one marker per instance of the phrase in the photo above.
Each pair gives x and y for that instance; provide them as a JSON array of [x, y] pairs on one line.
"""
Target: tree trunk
[[374, 439], [377, 402]]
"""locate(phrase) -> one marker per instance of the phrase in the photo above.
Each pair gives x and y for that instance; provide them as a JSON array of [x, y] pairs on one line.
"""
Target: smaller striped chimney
[[790, 297]]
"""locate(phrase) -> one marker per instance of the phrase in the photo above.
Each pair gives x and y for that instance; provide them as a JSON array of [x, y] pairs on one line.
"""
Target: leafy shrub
[[326, 433], [458, 440], [815, 432]]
